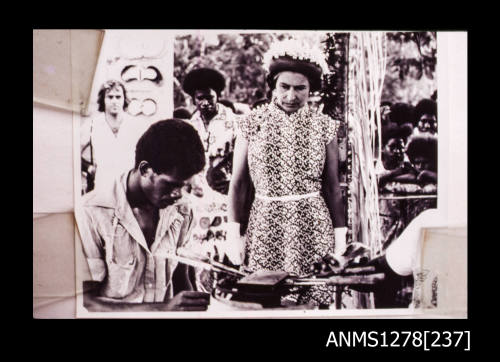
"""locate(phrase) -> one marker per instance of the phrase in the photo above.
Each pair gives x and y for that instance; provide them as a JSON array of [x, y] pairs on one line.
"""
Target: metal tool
[[207, 265]]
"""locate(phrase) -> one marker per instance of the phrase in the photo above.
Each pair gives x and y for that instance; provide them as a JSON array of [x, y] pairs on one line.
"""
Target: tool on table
[[206, 264], [267, 287]]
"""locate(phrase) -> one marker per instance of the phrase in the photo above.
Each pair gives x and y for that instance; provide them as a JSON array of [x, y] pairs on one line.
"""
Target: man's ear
[[145, 168]]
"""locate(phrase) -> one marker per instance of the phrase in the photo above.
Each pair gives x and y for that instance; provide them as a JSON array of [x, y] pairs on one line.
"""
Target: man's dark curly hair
[[425, 106], [423, 146], [105, 88], [171, 145]]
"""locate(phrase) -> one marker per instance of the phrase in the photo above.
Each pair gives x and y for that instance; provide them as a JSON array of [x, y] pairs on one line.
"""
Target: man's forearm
[[94, 303], [182, 301]]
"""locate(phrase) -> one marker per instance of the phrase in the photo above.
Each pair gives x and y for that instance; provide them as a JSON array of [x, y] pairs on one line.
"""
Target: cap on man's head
[[203, 78]]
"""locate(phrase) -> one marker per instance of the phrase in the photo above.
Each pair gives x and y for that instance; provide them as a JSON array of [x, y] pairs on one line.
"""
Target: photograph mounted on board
[[258, 171]]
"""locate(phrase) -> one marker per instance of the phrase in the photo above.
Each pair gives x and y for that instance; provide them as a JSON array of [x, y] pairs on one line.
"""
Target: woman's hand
[[234, 246], [340, 238]]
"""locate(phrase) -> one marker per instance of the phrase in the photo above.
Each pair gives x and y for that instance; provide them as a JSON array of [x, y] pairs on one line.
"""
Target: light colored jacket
[[117, 252]]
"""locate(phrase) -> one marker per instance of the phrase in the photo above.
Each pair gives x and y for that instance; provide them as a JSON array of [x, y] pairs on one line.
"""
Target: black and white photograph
[[260, 173]]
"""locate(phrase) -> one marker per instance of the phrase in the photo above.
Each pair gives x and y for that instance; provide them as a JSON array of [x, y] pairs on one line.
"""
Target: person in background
[[385, 113], [108, 139], [420, 180], [425, 120], [128, 227], [422, 153], [289, 153], [393, 163], [393, 168], [402, 113], [401, 265], [216, 124]]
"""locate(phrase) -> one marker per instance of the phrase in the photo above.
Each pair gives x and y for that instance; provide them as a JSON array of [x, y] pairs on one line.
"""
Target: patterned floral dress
[[289, 230]]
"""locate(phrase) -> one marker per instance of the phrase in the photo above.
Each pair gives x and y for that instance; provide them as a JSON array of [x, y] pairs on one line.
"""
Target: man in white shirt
[[402, 265], [109, 138]]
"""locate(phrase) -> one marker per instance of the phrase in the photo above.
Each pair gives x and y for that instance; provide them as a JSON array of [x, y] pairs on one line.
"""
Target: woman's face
[[427, 123], [292, 91], [385, 112], [421, 163], [394, 150]]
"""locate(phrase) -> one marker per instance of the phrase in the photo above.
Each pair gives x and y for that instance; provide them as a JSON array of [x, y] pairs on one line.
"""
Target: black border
[[238, 338]]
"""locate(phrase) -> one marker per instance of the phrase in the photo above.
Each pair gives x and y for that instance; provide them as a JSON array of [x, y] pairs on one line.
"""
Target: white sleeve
[[404, 252]]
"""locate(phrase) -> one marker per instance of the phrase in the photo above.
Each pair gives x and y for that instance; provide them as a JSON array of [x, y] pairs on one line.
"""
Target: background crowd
[[408, 168]]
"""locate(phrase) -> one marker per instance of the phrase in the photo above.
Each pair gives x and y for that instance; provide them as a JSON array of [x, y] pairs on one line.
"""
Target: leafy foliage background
[[411, 67], [237, 56], [410, 76]]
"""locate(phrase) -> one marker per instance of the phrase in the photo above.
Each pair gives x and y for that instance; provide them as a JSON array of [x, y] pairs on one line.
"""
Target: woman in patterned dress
[[290, 154]]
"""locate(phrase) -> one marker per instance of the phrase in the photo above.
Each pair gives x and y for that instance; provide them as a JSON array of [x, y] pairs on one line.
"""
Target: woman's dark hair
[[171, 145], [105, 88], [401, 113], [425, 106], [423, 146], [402, 132]]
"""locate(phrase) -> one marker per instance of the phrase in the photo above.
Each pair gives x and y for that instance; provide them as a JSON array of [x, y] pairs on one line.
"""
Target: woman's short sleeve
[[331, 129]]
